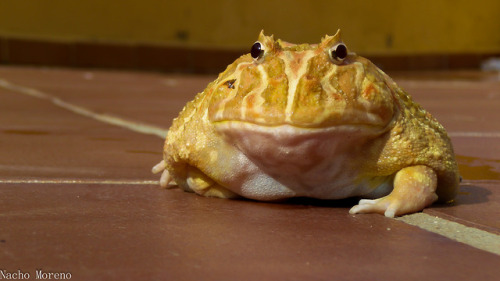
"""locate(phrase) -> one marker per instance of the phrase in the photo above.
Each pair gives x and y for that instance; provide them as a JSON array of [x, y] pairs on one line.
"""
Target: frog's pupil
[[340, 52], [256, 50]]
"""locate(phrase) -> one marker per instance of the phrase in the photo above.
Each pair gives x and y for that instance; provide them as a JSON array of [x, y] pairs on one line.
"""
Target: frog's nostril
[[230, 83]]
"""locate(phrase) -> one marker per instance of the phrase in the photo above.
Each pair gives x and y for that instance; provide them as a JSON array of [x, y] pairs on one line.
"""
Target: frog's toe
[[165, 178], [380, 206], [159, 167]]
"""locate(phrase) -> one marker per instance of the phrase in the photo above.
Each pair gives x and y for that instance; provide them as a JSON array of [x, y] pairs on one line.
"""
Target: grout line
[[475, 134], [475, 182], [471, 236], [55, 181], [106, 118]]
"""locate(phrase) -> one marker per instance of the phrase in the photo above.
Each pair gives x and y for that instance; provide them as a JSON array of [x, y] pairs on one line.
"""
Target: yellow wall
[[369, 27]]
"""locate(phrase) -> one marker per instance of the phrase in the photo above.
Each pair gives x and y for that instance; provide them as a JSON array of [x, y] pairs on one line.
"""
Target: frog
[[310, 120]]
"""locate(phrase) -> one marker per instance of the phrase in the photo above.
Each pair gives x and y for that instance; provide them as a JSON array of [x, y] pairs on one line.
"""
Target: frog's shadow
[[467, 195], [332, 203]]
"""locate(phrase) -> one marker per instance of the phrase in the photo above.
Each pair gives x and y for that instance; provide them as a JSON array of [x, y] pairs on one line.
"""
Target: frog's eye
[[339, 52], [257, 50]]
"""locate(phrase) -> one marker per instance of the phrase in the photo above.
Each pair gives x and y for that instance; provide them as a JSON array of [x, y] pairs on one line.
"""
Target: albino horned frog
[[318, 121]]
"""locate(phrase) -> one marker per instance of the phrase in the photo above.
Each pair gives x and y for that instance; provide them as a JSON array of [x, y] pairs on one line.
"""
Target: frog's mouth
[[347, 121], [307, 121], [287, 143], [231, 128]]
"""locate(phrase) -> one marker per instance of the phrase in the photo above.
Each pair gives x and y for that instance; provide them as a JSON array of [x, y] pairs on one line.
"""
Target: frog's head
[[304, 86], [303, 104]]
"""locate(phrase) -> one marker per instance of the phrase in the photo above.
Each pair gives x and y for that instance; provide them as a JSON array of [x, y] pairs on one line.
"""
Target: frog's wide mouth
[[346, 121], [332, 121], [294, 132]]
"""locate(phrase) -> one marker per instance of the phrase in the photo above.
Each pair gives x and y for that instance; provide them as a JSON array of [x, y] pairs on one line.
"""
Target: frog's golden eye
[[339, 52], [257, 50]]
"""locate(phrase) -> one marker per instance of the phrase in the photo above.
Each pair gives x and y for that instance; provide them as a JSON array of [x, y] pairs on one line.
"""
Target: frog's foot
[[165, 178], [203, 185], [414, 189]]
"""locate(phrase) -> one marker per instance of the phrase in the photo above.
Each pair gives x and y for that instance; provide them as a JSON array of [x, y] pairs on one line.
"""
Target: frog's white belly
[[283, 162]]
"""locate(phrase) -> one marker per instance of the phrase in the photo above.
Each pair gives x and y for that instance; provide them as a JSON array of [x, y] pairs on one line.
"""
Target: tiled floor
[[77, 194]]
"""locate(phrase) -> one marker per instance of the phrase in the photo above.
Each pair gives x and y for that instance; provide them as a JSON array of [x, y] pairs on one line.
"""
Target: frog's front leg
[[196, 181], [203, 185], [414, 189]]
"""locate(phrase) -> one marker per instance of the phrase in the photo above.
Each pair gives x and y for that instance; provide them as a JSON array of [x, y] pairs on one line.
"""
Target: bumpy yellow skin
[[297, 121]]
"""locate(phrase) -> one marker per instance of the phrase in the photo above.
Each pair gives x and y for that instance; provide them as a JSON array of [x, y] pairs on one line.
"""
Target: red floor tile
[[477, 205], [40, 141], [460, 104], [152, 98], [125, 232]]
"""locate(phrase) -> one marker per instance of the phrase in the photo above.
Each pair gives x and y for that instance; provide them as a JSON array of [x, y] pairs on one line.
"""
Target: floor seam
[[471, 236], [475, 134], [135, 126], [79, 181]]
